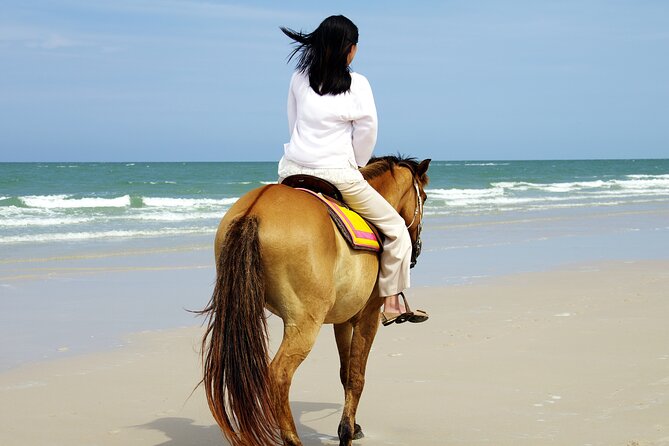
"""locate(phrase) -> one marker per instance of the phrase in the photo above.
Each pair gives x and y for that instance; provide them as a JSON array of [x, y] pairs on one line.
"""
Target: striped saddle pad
[[357, 232]]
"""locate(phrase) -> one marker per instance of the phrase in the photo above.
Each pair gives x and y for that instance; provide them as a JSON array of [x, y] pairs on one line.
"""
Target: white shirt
[[330, 131]]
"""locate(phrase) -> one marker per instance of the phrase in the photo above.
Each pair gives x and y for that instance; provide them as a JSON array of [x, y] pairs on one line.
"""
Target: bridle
[[418, 244], [419, 206]]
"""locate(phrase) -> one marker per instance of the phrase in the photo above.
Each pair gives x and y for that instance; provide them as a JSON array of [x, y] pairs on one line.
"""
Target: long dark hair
[[322, 54]]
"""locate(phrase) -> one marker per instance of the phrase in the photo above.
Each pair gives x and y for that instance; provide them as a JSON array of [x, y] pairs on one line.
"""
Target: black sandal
[[389, 318], [413, 316]]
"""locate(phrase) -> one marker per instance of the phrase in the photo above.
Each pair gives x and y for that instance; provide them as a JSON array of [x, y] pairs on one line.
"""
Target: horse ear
[[422, 167]]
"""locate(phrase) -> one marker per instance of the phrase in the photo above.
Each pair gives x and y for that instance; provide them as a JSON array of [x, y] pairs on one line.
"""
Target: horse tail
[[234, 348]]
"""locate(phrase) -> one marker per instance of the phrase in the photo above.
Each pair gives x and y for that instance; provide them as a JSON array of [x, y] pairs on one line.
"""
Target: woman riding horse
[[277, 248]]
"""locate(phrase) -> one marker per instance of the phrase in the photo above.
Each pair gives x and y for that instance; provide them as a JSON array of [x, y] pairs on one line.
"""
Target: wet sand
[[571, 356]]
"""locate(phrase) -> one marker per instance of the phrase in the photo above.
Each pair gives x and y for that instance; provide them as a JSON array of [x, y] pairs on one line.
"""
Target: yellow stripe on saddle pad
[[352, 226]]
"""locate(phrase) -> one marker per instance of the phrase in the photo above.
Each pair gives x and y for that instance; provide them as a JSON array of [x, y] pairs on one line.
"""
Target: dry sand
[[578, 356]]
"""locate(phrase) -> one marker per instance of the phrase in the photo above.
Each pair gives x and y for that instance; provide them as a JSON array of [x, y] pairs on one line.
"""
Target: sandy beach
[[571, 356]]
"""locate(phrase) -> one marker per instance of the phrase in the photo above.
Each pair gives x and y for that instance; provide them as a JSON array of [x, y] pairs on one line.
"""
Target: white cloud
[[55, 41], [16, 34], [33, 37], [198, 8]]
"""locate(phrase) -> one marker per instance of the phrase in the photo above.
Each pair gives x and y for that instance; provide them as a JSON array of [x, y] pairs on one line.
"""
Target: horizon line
[[276, 161]]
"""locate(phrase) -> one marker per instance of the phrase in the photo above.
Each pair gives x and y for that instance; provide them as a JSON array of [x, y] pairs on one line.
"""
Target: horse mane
[[379, 165]]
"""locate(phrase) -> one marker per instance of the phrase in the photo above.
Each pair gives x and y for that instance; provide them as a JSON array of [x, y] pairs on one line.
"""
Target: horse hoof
[[345, 439], [357, 432]]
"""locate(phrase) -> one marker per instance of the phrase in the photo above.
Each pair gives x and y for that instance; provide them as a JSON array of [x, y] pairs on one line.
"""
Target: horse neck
[[394, 186]]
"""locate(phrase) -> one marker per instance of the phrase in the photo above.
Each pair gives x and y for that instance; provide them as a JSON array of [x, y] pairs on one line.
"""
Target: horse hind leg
[[296, 344], [364, 331]]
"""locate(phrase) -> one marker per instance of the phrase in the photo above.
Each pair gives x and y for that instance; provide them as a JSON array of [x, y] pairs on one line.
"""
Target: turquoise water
[[53, 202]]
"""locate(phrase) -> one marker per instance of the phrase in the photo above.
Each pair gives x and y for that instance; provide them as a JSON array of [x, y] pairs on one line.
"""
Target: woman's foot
[[398, 312], [393, 311], [388, 318]]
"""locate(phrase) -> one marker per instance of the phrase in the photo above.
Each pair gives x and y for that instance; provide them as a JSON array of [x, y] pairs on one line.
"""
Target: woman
[[333, 124]]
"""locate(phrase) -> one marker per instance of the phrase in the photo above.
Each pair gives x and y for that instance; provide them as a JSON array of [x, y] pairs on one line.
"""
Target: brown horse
[[277, 248]]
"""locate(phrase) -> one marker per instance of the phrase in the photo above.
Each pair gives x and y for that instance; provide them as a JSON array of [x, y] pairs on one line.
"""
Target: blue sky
[[195, 80]]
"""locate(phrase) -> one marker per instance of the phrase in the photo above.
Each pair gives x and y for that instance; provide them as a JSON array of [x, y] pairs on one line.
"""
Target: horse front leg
[[343, 335], [364, 331]]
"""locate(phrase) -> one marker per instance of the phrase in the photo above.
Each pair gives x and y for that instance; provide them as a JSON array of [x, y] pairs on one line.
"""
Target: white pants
[[396, 255]]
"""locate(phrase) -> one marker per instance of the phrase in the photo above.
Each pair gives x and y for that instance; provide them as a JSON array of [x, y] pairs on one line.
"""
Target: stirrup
[[412, 316]]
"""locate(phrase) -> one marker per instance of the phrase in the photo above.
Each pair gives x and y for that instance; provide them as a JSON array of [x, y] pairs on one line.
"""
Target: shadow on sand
[[184, 431]]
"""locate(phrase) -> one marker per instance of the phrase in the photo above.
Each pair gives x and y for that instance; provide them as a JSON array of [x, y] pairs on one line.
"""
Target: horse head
[[410, 186]]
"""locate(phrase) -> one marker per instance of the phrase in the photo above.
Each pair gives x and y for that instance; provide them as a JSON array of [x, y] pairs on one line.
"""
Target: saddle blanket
[[357, 232]]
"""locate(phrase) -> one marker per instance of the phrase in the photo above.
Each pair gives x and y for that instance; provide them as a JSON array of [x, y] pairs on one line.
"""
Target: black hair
[[322, 54]]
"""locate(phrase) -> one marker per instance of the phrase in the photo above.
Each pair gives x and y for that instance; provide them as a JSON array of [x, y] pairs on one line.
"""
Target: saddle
[[359, 233], [314, 184]]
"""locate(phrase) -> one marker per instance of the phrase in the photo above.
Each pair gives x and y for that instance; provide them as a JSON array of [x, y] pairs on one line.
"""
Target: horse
[[277, 249]]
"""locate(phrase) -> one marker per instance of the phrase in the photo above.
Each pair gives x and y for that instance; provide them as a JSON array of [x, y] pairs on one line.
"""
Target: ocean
[[70, 202]]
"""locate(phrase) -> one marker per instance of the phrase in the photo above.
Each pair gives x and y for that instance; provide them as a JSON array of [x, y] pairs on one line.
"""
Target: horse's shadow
[[184, 431], [308, 435]]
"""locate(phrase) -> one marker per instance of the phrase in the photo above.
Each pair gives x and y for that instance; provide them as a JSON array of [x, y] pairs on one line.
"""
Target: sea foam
[[67, 202], [187, 202]]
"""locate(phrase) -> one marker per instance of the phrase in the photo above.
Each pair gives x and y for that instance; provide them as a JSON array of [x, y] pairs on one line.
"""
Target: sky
[[207, 80]]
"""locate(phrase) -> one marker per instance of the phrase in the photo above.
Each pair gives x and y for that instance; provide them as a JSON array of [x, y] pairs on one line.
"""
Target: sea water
[[64, 202]]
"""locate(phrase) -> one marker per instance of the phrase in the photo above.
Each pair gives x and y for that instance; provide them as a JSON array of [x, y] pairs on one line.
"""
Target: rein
[[418, 210]]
